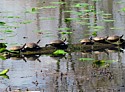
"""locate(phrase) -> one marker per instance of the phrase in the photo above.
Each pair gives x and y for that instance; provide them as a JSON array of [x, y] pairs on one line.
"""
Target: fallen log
[[69, 48]]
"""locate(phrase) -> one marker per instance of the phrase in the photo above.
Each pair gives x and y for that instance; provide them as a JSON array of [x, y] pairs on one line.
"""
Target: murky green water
[[62, 74]]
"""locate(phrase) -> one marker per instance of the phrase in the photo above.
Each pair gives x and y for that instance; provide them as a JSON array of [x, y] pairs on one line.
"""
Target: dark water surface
[[61, 74]]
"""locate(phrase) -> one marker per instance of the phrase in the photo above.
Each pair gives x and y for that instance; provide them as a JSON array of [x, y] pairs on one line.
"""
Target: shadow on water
[[100, 70]]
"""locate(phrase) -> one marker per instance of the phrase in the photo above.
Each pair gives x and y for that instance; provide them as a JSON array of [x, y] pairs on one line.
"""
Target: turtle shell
[[60, 44], [56, 42], [31, 45], [99, 39], [86, 41], [16, 48], [114, 38]]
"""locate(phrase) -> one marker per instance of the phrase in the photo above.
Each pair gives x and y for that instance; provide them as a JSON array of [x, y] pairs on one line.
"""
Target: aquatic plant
[[4, 72], [59, 52], [2, 23], [86, 59]]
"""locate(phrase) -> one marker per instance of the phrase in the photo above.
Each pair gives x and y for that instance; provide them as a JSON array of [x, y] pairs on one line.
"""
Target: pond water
[[31, 20]]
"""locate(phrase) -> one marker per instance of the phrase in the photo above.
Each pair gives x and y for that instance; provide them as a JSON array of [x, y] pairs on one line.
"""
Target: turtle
[[87, 41], [31, 46], [114, 38], [99, 39], [17, 48], [57, 43]]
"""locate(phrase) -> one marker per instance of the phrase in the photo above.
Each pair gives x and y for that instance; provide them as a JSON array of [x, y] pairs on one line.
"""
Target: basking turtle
[[17, 48], [99, 39], [114, 38], [31, 46], [57, 43], [86, 41]]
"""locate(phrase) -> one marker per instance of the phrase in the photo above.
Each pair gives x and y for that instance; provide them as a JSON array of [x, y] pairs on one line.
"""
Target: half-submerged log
[[68, 48]]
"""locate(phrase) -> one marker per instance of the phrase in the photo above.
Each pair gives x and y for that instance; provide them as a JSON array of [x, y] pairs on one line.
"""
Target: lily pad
[[3, 50], [4, 72], [86, 59], [2, 23], [2, 58], [59, 52], [3, 45], [66, 32], [34, 10], [66, 28]]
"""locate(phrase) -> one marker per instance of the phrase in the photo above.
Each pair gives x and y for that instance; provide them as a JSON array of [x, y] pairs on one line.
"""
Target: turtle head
[[106, 37], [91, 38]]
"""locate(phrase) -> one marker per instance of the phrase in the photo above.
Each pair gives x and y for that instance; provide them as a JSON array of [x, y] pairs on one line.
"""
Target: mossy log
[[70, 48]]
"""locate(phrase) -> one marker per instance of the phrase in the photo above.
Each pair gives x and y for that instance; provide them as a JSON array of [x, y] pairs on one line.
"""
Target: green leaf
[[110, 61], [96, 27], [103, 63], [81, 5], [3, 45], [66, 32], [8, 31], [99, 62], [86, 59], [26, 22], [70, 11], [4, 72], [94, 33], [51, 18], [113, 28], [66, 28], [2, 23], [59, 52], [12, 17], [34, 9], [71, 19], [2, 58], [106, 20], [3, 50], [123, 9]]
